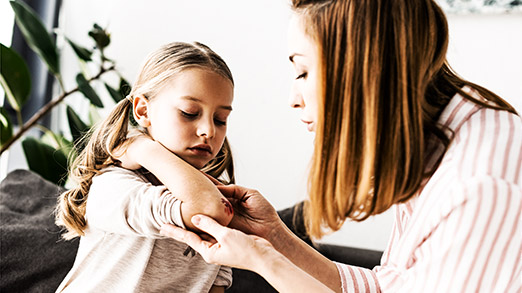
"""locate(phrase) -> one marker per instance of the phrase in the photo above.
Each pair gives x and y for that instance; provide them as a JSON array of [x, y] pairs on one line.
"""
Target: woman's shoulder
[[484, 158], [484, 141]]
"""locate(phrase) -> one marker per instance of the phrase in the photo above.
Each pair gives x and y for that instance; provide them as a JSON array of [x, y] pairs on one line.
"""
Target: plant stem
[[60, 82], [19, 117], [45, 109], [42, 128]]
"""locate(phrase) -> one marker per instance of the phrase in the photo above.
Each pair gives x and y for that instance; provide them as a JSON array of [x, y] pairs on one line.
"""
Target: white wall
[[271, 147], [487, 49]]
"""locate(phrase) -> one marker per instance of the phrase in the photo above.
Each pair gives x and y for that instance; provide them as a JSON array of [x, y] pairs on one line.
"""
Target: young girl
[[134, 179]]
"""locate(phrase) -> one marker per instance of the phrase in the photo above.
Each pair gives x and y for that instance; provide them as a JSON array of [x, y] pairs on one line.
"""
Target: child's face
[[189, 115]]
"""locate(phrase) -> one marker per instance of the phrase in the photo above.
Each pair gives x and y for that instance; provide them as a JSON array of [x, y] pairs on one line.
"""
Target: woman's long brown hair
[[160, 66], [384, 81]]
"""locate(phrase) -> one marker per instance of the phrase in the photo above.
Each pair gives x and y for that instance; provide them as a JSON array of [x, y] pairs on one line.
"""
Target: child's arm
[[198, 194]]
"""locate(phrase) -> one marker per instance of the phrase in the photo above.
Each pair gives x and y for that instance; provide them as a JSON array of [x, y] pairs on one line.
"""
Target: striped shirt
[[463, 231]]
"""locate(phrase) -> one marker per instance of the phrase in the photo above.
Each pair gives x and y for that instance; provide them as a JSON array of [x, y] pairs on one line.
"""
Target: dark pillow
[[33, 256]]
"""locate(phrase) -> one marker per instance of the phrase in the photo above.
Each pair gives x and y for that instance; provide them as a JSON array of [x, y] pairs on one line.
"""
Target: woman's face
[[189, 115], [303, 53]]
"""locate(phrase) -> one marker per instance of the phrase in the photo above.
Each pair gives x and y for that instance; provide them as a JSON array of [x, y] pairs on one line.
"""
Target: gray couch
[[35, 259]]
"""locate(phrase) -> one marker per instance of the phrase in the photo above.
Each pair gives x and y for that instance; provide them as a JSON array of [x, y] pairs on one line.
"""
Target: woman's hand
[[228, 246], [234, 248], [256, 215]]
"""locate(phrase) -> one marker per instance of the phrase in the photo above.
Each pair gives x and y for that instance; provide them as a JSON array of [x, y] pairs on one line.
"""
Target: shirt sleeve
[[356, 279], [474, 247], [224, 277], [121, 202]]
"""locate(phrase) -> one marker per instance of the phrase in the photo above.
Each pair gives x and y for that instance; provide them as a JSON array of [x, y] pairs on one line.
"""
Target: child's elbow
[[219, 209]]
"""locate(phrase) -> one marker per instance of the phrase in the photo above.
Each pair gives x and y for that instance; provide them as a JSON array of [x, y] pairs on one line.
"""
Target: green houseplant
[[48, 154]]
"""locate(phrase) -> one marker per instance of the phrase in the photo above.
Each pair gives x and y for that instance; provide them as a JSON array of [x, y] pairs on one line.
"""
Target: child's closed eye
[[188, 114], [220, 122]]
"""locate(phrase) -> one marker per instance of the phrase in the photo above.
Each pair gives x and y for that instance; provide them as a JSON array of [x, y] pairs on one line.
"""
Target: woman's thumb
[[209, 226]]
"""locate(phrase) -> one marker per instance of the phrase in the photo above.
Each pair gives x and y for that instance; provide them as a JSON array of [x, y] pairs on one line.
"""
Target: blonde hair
[[384, 81], [159, 68]]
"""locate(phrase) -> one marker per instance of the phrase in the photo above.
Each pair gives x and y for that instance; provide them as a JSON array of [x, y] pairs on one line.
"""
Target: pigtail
[[97, 154]]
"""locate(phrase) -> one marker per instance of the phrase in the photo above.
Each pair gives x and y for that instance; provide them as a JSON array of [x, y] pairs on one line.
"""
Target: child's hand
[[128, 153]]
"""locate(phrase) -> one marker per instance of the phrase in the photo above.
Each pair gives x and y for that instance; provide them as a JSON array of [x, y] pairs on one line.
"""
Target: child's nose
[[206, 128]]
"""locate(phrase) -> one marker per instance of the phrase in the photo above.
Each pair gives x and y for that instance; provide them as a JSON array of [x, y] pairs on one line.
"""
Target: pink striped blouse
[[463, 230]]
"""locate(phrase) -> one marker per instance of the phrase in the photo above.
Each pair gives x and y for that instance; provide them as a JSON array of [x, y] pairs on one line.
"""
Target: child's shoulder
[[115, 180], [114, 174]]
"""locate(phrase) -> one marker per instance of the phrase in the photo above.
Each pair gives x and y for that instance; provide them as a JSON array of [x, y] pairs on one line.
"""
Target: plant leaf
[[116, 96], [36, 35], [80, 51], [94, 115], [76, 125], [86, 89], [6, 127], [14, 77], [100, 36], [43, 159], [60, 143], [125, 87]]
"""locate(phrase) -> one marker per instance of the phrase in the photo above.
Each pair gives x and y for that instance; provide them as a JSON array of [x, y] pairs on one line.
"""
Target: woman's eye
[[189, 115], [302, 75]]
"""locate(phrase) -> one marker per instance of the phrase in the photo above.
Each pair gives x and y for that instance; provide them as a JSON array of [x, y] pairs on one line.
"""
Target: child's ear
[[140, 108]]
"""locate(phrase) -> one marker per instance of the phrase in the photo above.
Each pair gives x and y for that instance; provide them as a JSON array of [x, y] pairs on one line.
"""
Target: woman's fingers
[[208, 238], [202, 222], [220, 245], [209, 226], [233, 191], [182, 235], [214, 180]]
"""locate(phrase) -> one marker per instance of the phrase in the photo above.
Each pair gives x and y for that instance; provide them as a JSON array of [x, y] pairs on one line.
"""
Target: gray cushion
[[33, 257]]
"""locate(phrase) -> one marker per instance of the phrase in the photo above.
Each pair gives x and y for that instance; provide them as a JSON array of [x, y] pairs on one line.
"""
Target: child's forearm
[[198, 194]]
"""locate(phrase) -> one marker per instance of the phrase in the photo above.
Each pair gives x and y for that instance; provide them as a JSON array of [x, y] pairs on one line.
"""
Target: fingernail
[[196, 219]]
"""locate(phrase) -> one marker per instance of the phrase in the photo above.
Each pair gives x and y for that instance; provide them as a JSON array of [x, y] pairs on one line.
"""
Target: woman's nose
[[296, 99]]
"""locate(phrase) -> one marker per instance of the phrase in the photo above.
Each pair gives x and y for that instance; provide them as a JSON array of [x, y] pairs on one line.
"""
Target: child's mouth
[[201, 150]]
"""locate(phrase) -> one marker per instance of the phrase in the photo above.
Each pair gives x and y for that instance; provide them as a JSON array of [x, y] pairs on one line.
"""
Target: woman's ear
[[140, 106]]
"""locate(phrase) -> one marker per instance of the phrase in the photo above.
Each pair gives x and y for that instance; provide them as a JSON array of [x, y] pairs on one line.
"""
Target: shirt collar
[[458, 110]]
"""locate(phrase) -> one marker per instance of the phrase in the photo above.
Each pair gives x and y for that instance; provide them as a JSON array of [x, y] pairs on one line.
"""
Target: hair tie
[[129, 97]]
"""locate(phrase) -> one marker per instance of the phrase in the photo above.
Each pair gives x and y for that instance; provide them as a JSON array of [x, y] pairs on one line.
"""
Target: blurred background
[[271, 147]]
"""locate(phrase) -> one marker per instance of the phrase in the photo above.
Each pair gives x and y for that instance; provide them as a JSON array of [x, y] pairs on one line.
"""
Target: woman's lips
[[309, 125]]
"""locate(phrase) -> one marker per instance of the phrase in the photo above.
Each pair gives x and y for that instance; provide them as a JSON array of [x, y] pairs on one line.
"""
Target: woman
[[395, 128]]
